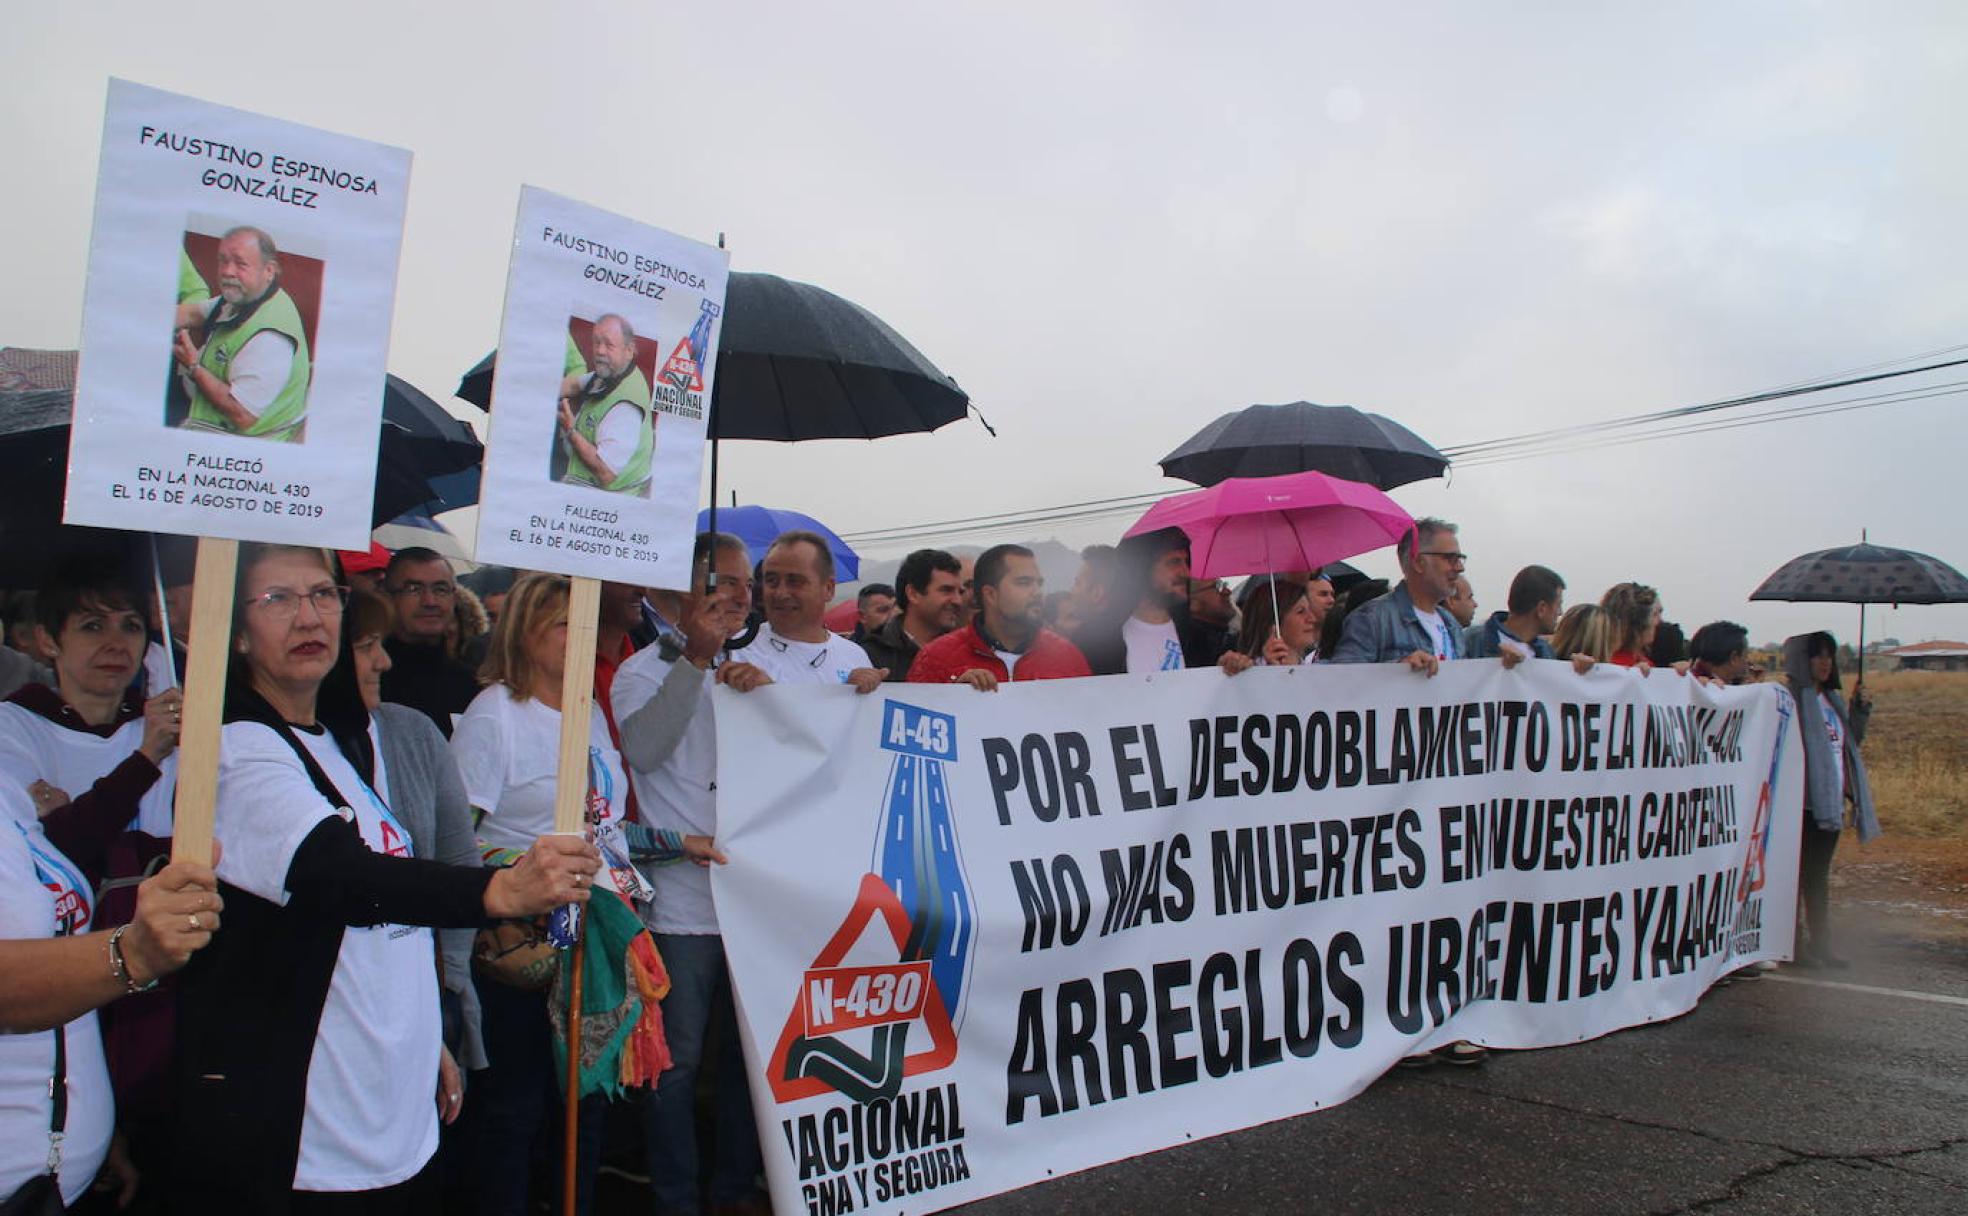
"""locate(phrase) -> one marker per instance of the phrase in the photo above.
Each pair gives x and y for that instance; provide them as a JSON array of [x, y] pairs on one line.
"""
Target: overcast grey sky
[[1111, 222]]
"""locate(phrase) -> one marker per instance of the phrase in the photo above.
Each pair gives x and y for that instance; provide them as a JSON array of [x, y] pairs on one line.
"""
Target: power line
[[1557, 441], [1458, 451]]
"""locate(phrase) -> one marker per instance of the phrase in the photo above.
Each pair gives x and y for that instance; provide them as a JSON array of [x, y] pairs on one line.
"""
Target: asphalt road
[[1782, 1095]]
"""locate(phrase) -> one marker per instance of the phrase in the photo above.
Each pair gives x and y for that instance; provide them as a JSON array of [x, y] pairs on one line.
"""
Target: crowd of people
[[353, 1008]]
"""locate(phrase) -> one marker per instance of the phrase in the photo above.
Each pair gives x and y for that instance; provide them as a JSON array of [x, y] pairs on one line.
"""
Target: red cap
[[355, 561]]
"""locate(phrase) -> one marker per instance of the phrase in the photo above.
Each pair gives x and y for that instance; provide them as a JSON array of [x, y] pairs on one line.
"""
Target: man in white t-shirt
[[794, 646], [1150, 583]]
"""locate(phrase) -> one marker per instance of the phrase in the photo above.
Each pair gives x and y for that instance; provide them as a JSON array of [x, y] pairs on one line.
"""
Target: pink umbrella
[[1261, 525]]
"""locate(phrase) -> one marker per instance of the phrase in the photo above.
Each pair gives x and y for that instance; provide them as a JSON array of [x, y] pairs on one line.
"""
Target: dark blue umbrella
[[758, 527], [1864, 574]]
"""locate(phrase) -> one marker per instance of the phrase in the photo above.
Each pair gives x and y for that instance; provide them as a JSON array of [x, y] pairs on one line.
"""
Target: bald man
[[243, 354], [607, 428]]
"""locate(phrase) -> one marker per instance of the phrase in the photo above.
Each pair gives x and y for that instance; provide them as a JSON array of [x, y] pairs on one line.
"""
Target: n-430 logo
[[851, 1024]]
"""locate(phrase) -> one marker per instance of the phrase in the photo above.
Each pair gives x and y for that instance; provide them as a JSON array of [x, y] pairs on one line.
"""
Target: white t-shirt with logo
[[34, 749], [508, 754], [41, 892], [1151, 647], [680, 795], [369, 1121], [1431, 622], [791, 662]]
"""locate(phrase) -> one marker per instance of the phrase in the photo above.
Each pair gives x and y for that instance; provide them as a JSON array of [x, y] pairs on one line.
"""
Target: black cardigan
[[249, 1005]]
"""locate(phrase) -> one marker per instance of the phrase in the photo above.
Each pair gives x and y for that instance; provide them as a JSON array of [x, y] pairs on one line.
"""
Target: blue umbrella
[[758, 527]]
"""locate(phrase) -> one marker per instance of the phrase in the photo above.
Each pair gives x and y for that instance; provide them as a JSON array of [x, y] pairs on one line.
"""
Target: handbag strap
[[322, 785], [58, 1101]]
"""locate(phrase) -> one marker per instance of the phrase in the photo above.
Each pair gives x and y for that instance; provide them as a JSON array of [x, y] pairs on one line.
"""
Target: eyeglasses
[[417, 591], [1460, 559], [284, 603]]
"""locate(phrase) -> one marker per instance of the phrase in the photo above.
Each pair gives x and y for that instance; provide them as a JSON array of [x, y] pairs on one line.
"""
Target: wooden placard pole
[[570, 815], [208, 651]]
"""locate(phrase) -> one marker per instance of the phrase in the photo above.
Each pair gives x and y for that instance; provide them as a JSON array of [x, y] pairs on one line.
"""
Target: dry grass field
[[1916, 750]]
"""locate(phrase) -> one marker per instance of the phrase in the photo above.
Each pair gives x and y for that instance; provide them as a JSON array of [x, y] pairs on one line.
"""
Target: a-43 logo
[[852, 1022]]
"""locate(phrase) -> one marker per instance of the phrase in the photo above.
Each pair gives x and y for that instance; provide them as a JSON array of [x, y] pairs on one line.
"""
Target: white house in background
[[1932, 656]]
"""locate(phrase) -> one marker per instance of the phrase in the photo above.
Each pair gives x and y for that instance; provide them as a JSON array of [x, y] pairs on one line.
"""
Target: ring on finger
[[193, 918]]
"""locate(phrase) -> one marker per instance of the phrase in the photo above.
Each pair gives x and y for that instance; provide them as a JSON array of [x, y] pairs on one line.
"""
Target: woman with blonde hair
[[1635, 613], [508, 750], [1585, 635]]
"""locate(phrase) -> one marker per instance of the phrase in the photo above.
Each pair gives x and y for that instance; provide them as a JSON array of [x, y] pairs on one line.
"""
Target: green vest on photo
[[633, 476], [191, 284], [283, 418]]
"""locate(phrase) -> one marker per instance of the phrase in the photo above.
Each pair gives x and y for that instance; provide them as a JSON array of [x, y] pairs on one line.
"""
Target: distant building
[[1932, 656]]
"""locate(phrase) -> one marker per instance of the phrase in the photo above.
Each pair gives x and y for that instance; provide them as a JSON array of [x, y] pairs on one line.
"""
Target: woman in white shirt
[[308, 1045], [58, 973], [507, 746], [92, 752]]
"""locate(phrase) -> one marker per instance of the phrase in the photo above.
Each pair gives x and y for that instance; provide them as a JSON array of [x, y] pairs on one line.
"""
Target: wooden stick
[[209, 646], [571, 1146], [576, 702], [570, 815]]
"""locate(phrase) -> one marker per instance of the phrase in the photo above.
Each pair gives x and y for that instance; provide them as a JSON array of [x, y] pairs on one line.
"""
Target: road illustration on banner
[[850, 1024]]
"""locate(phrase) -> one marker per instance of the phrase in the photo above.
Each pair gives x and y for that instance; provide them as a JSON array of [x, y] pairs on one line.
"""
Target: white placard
[[600, 398], [235, 332], [984, 939]]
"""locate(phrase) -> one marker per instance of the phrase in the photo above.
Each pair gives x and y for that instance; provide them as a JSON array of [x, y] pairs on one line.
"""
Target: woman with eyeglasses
[[309, 1045]]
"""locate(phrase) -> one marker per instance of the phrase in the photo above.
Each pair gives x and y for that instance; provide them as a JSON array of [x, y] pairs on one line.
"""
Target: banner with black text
[[984, 939]]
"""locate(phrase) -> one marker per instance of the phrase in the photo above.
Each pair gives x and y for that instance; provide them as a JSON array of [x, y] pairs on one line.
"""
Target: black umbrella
[[1338, 440], [1865, 574], [795, 362], [419, 443]]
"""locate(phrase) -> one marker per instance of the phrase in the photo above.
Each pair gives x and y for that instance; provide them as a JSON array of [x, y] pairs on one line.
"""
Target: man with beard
[[1411, 624], [1006, 639], [929, 601], [1147, 626], [608, 429], [247, 369]]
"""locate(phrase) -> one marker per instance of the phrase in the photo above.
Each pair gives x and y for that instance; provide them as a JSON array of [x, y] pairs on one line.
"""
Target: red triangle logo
[[683, 370], [874, 898]]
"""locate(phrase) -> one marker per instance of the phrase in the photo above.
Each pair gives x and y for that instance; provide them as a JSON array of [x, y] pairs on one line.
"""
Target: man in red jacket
[[1007, 638]]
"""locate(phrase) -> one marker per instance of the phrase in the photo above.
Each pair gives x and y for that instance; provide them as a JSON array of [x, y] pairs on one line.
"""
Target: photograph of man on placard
[[606, 436], [240, 350]]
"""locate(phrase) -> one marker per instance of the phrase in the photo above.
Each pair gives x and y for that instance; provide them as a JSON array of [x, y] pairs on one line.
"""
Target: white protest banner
[[599, 402], [235, 330], [984, 939]]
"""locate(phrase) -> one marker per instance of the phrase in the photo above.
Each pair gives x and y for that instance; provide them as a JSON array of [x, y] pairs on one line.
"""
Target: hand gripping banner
[[1100, 917]]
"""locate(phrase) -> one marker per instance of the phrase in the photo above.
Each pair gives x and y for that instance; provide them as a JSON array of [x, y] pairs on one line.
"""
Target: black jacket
[[249, 1005], [427, 679], [1106, 650], [891, 647]]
